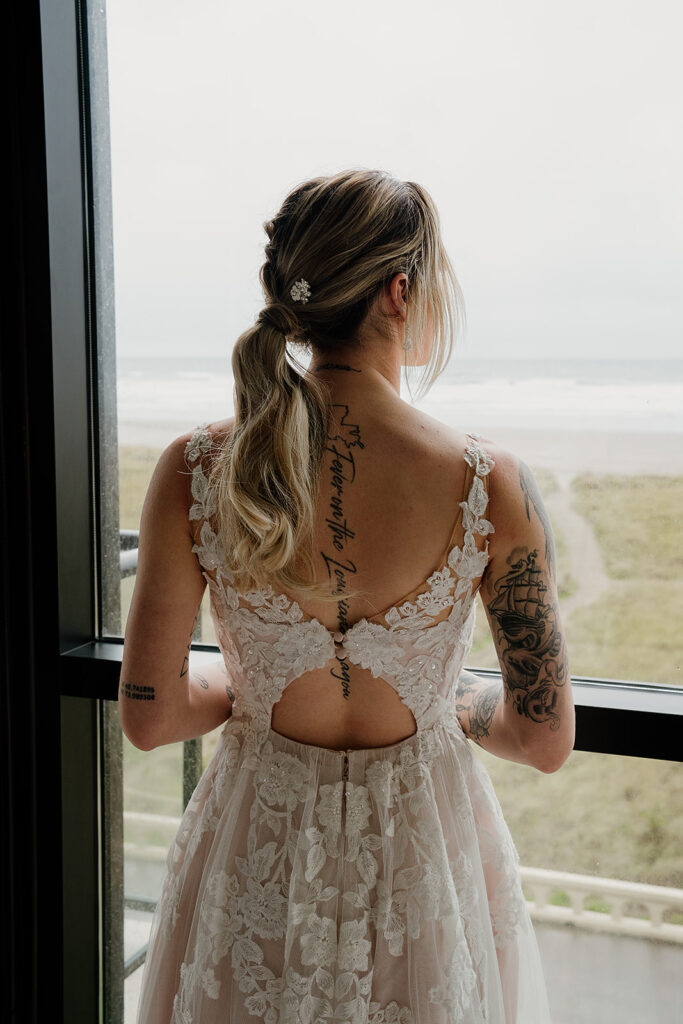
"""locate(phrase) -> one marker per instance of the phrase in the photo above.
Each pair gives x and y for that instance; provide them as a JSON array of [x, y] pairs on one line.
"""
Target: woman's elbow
[[551, 758], [551, 762], [138, 731]]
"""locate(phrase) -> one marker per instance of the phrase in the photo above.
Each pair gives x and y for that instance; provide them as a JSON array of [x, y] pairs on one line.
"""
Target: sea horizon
[[576, 395]]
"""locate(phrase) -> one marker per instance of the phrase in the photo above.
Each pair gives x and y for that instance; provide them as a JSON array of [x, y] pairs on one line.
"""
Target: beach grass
[[136, 465], [600, 814], [633, 632], [638, 521]]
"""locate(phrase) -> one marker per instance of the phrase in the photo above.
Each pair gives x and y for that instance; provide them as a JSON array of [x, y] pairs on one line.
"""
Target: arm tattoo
[[186, 659], [479, 700], [137, 691], [230, 694], [532, 494], [533, 650], [342, 470], [204, 683]]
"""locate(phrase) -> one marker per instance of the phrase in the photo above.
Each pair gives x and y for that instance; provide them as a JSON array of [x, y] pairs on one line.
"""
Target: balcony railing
[[630, 908]]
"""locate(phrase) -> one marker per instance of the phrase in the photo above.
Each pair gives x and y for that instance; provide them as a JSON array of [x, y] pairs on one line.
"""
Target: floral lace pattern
[[292, 878], [272, 641], [313, 870]]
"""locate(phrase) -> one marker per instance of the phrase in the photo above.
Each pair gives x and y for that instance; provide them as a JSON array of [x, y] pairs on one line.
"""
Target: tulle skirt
[[312, 885]]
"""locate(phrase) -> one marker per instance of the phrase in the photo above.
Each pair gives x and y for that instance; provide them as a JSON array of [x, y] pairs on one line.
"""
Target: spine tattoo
[[531, 646], [342, 470]]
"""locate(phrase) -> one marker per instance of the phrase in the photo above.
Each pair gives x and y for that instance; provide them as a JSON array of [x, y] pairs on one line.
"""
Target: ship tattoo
[[532, 647]]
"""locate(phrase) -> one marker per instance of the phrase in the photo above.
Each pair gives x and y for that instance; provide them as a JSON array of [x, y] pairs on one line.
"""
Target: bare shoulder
[[503, 473], [434, 436], [513, 490], [516, 510], [171, 479]]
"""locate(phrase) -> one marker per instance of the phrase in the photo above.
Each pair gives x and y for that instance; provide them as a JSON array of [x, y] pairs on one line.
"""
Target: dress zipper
[[340, 898]]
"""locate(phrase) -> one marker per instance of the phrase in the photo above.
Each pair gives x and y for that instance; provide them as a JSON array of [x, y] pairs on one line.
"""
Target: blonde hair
[[347, 235]]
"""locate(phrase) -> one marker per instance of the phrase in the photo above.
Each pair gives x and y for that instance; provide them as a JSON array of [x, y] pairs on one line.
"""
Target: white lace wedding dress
[[379, 885]]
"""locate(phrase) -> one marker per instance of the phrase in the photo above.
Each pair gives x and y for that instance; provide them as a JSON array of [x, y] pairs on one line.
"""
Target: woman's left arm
[[160, 699]]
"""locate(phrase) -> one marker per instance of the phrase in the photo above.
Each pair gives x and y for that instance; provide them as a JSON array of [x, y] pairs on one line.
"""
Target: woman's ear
[[398, 290]]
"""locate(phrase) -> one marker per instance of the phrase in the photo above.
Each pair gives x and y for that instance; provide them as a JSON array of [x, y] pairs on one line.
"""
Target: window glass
[[600, 846], [546, 136]]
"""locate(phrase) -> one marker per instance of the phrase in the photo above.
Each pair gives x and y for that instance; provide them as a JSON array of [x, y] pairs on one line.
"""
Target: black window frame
[[60, 676]]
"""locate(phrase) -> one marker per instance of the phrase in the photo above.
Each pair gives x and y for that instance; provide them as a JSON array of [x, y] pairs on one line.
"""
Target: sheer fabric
[[378, 885]]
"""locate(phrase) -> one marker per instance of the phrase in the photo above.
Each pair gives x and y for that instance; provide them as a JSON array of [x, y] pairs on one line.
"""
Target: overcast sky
[[549, 135]]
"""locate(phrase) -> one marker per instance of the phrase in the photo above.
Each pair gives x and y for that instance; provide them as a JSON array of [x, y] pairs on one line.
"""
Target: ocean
[[643, 396]]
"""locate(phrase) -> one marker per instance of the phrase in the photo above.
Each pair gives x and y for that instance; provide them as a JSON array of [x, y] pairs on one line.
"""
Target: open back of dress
[[308, 884]]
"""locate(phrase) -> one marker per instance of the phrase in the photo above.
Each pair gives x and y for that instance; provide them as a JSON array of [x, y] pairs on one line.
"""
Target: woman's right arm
[[530, 717]]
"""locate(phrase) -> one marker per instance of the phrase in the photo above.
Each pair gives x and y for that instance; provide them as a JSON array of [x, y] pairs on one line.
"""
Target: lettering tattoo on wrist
[[342, 473], [533, 651], [136, 691]]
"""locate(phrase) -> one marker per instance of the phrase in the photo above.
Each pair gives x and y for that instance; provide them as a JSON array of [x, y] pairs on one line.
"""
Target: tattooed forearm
[[532, 495], [204, 683], [186, 659], [532, 649], [478, 700], [342, 471], [137, 691]]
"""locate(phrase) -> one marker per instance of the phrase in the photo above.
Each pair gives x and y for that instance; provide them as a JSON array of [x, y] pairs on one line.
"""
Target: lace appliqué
[[266, 898], [286, 885], [271, 641]]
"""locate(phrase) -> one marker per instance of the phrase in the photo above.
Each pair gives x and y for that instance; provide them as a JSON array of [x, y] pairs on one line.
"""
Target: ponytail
[[346, 234], [266, 474]]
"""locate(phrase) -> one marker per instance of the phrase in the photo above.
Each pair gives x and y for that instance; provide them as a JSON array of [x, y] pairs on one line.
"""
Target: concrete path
[[586, 560]]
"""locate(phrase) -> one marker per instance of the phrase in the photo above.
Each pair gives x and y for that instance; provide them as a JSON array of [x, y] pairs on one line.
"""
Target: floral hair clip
[[300, 291]]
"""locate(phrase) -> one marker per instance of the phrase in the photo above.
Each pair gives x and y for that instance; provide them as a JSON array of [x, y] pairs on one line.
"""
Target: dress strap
[[475, 495], [199, 443], [204, 504]]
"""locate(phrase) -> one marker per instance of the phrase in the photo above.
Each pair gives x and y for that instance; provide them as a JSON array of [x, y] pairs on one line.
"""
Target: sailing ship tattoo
[[532, 647]]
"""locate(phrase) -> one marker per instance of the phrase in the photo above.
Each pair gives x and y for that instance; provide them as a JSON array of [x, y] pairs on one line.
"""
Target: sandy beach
[[564, 452]]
